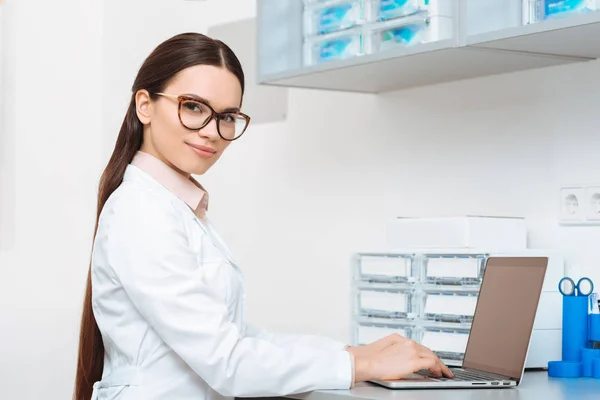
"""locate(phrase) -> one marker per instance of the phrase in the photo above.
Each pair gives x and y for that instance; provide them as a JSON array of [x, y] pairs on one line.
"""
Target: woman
[[163, 315]]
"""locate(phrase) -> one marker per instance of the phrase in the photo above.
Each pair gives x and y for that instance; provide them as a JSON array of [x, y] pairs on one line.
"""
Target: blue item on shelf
[[338, 17], [565, 369], [580, 330], [340, 48], [594, 328], [587, 357], [389, 9], [405, 35], [574, 327], [560, 8], [596, 368]]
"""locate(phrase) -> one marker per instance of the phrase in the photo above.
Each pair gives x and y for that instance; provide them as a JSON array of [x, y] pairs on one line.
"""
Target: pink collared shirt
[[186, 188]]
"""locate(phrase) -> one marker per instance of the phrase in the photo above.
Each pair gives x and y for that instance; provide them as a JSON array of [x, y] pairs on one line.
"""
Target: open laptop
[[500, 332]]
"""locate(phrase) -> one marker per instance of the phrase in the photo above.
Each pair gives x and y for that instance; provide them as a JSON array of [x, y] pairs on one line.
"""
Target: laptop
[[500, 331]]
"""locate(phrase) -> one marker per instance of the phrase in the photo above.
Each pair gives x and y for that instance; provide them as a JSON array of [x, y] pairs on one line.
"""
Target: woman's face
[[189, 151]]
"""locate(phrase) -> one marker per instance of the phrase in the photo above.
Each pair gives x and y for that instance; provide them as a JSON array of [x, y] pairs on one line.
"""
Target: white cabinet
[[368, 53]]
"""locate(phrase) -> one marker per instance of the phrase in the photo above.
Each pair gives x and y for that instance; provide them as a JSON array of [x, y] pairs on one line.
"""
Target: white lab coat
[[169, 301]]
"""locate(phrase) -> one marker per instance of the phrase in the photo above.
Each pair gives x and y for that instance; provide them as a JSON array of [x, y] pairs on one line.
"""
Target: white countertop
[[535, 386]]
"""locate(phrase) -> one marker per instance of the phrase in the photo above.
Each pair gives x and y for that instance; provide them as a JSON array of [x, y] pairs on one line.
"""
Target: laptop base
[[423, 380]]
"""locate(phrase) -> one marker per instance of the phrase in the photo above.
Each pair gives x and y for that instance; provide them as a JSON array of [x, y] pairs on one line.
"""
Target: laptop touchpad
[[417, 378]]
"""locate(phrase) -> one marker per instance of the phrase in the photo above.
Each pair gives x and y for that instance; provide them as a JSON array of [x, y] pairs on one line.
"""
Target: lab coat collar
[[186, 189]]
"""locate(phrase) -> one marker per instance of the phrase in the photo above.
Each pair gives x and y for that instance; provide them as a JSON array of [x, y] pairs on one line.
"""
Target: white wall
[[293, 199], [54, 120]]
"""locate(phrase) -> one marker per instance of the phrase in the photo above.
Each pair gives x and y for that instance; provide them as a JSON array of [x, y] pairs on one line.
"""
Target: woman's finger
[[436, 368]]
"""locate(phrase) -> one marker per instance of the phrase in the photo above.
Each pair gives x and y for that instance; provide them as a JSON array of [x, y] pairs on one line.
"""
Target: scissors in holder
[[584, 287]]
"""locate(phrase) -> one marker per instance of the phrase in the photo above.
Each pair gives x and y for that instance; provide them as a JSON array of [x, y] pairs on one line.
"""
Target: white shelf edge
[[359, 60], [532, 29], [530, 53]]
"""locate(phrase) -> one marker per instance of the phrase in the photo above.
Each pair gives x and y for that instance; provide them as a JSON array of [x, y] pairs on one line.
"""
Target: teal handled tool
[[584, 287]]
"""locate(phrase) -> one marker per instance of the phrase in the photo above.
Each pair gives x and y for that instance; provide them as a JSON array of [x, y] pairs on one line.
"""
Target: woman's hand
[[394, 357], [375, 347]]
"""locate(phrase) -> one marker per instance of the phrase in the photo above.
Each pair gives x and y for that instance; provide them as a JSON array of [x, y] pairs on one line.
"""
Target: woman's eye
[[193, 106], [229, 118]]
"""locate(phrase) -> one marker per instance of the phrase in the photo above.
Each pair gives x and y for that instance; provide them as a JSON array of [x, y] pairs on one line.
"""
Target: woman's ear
[[143, 106]]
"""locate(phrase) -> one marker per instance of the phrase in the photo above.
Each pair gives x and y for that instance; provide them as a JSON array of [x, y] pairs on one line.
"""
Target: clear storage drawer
[[453, 269], [339, 46], [541, 10], [384, 10], [323, 17], [447, 343], [385, 303], [444, 306], [366, 332], [388, 268], [408, 32]]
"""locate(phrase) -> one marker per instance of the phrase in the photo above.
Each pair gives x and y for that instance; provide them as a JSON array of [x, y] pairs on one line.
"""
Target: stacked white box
[[466, 232]]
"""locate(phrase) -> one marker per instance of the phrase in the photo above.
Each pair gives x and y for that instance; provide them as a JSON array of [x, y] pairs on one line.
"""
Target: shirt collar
[[186, 189]]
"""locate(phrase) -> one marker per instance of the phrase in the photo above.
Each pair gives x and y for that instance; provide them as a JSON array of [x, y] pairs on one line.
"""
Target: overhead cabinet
[[382, 45]]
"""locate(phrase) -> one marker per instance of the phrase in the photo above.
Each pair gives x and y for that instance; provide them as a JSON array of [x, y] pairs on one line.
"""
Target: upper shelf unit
[[436, 41]]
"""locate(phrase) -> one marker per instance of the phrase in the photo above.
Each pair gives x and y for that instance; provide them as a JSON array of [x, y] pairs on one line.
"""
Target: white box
[[546, 345], [549, 312], [474, 232]]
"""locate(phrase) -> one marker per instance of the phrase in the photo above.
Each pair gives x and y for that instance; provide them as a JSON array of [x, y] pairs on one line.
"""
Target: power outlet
[[592, 203], [571, 205], [580, 205]]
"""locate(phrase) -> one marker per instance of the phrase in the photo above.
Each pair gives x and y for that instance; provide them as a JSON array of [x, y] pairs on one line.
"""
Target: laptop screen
[[503, 320]]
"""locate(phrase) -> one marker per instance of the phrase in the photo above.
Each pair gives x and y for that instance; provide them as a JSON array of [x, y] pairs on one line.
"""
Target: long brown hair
[[169, 58]]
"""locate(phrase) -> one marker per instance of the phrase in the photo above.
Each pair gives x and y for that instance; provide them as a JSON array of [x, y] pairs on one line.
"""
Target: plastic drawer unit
[[447, 306], [324, 17], [453, 269], [369, 331], [386, 268], [383, 10], [336, 46], [385, 302], [541, 10], [448, 343], [407, 32]]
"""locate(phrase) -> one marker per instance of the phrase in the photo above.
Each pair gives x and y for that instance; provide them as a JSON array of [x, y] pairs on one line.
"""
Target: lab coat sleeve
[[285, 339], [148, 250]]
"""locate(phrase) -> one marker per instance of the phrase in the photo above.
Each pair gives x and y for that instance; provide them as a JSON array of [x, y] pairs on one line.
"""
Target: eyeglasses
[[195, 114]]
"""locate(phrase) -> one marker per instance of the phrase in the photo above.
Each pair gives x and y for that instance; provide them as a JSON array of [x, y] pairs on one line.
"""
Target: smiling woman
[[164, 308], [152, 132]]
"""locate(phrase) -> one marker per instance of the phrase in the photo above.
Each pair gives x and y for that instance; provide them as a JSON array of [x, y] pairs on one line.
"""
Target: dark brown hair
[[169, 58]]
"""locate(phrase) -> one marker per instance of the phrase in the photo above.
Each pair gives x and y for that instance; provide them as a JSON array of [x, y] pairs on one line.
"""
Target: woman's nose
[[210, 130]]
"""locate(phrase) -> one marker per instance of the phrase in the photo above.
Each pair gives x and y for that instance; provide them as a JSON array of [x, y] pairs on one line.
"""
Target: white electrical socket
[[592, 203], [571, 205], [580, 205]]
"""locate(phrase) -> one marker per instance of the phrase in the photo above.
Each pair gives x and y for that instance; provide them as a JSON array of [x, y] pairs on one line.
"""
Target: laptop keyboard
[[461, 375]]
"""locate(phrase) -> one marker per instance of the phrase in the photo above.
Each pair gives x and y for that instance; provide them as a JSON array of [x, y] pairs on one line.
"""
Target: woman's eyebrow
[[203, 100]]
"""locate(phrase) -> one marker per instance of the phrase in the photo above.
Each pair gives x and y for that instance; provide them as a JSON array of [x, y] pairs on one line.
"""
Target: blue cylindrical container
[[565, 369], [574, 327], [587, 358], [596, 368], [594, 328]]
